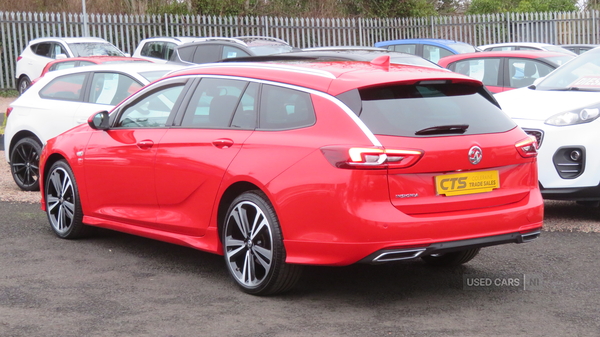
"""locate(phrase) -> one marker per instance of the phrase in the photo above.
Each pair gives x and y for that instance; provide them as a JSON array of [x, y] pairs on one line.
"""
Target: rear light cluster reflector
[[370, 157], [527, 147]]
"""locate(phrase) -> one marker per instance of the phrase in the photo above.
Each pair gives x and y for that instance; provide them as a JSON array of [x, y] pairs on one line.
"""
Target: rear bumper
[[390, 255], [342, 254]]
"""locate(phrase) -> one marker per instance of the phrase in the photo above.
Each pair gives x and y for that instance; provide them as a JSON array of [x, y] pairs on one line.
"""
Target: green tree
[[501, 6], [391, 8], [546, 6]]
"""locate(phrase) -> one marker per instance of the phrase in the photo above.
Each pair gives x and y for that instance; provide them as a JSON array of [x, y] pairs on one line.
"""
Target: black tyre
[[451, 259], [253, 247], [62, 202], [23, 85], [24, 164]]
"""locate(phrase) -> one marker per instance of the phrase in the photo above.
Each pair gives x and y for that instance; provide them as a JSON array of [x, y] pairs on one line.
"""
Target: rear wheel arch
[[23, 83], [23, 134], [227, 198]]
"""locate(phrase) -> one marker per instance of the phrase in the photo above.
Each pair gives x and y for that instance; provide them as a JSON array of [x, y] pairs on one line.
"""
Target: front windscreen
[[260, 48], [424, 110], [93, 49], [581, 74]]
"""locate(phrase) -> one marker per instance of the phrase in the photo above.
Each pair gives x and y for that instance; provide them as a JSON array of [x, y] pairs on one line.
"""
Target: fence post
[[594, 26], [360, 32], [432, 28]]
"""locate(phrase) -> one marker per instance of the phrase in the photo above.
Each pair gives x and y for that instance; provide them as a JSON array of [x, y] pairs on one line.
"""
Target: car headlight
[[574, 117]]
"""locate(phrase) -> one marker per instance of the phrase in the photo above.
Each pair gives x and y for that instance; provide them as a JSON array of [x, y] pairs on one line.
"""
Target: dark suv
[[216, 49]]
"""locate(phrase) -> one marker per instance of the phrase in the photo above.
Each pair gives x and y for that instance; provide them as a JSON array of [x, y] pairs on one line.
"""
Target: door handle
[[145, 144], [223, 143]]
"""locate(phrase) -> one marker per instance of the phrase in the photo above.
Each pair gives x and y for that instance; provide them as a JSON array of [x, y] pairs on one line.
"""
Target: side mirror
[[61, 57], [99, 121]]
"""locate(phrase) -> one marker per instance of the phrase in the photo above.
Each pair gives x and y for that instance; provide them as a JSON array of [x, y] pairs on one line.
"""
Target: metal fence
[[125, 31]]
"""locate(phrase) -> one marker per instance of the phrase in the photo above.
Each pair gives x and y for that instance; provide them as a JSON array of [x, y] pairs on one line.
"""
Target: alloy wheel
[[248, 244], [24, 164], [61, 200]]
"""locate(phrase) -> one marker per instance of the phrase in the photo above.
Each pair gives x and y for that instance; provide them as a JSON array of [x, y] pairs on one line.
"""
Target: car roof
[[580, 45], [345, 48], [340, 55], [133, 67], [249, 39], [409, 41], [532, 54], [332, 77], [181, 39], [69, 39], [99, 59], [525, 44]]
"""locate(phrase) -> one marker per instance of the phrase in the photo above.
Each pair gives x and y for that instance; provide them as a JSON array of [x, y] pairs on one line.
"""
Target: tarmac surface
[[114, 284]]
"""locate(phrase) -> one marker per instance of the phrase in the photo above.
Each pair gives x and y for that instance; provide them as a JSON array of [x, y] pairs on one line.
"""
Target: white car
[[61, 100], [40, 51], [160, 49], [525, 46], [562, 110]]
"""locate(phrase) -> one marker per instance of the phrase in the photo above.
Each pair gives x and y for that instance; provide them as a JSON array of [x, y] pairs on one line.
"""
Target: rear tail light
[[370, 157], [8, 111], [19, 58], [527, 148]]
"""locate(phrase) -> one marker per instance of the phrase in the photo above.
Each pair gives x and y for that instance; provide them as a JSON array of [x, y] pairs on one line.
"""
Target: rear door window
[[112, 88], [214, 102], [67, 87], [484, 69], [404, 48], [427, 110], [434, 53], [186, 53], [230, 52], [207, 53]]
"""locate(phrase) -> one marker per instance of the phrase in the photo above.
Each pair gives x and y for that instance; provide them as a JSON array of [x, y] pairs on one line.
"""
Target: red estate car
[[276, 166], [505, 70]]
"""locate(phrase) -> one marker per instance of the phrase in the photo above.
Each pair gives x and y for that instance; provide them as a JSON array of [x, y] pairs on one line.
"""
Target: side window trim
[[86, 98], [114, 116]]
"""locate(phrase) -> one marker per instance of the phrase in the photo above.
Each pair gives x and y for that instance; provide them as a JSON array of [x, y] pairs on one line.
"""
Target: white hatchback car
[[40, 51], [562, 110], [61, 100]]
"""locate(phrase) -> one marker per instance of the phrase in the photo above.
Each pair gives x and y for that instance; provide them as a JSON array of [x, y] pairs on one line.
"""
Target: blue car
[[430, 49]]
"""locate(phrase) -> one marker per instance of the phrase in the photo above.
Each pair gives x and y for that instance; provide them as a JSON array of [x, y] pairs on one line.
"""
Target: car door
[[119, 162], [435, 53], [207, 52], [60, 99], [523, 72], [193, 157], [485, 69]]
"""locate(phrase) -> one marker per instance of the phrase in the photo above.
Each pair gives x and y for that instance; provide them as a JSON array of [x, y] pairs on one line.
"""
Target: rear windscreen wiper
[[443, 129]]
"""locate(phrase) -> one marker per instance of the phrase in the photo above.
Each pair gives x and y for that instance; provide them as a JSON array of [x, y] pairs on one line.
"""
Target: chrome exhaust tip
[[398, 255], [528, 237]]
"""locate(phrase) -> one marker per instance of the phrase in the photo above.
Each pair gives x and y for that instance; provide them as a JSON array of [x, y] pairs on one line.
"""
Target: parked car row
[[321, 157]]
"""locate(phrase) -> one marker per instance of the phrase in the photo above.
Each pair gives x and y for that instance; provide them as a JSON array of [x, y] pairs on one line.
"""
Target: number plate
[[467, 183]]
